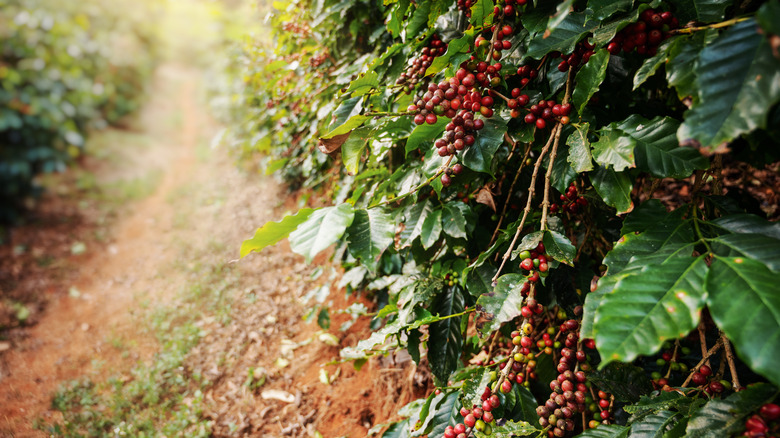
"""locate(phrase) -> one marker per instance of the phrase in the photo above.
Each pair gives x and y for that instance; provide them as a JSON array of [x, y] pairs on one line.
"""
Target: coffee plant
[[65, 69], [535, 194]]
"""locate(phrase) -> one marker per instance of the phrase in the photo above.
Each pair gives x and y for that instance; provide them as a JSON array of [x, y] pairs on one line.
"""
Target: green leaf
[[742, 290], [592, 302], [501, 305], [482, 13], [606, 431], [444, 344], [748, 224], [768, 17], [606, 31], [510, 429], [656, 149], [759, 247], [363, 84], [352, 149], [415, 218], [398, 430], [431, 229], [273, 232], [644, 217], [456, 46], [535, 19], [737, 79], [321, 229], [654, 425], [563, 39], [479, 156], [704, 11], [651, 65], [647, 307], [683, 63], [396, 17], [454, 220], [437, 8], [614, 188], [447, 414], [589, 79], [559, 247], [603, 9], [561, 12], [424, 135], [474, 387], [625, 381], [614, 149], [346, 117], [419, 19], [719, 418], [562, 174], [372, 231], [579, 156]]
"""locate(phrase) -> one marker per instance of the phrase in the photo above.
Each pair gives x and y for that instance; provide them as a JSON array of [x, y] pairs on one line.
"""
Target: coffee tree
[[534, 193]]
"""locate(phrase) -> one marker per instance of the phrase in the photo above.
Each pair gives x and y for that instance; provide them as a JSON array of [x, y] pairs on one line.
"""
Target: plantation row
[[534, 195], [65, 68]]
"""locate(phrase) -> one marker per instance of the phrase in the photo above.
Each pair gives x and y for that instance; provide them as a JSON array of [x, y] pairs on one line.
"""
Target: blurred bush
[[66, 68]]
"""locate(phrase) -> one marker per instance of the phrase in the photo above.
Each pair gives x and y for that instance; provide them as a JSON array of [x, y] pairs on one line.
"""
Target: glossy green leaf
[[321, 229], [647, 307], [559, 247], [444, 344], [768, 17], [503, 304], [363, 84], [654, 425], [683, 63], [352, 149], [563, 39], [561, 12], [645, 216], [447, 414], [579, 156], [656, 149], [562, 174], [726, 417], [415, 218], [482, 13], [747, 224], [589, 79], [759, 247], [651, 65], [418, 19], [431, 229], [704, 11], [510, 429], [424, 135], [472, 389], [737, 80], [396, 17], [454, 220], [372, 231], [603, 9], [479, 156], [592, 302], [272, 232], [607, 31], [346, 117], [740, 290], [614, 149], [614, 188], [606, 431], [400, 429]]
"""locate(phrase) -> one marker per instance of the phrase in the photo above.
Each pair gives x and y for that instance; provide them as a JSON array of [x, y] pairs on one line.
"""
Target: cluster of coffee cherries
[[507, 7], [465, 6], [527, 74], [534, 265], [764, 424], [703, 378], [417, 66], [571, 202], [580, 56], [645, 35], [547, 110], [670, 357], [478, 417], [451, 278], [501, 42], [569, 391], [297, 27]]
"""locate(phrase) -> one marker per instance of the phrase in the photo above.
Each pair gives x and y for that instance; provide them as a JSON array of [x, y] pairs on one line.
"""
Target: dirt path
[[167, 267]]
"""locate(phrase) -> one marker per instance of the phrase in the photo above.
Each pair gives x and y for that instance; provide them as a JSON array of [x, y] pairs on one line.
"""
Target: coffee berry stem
[[732, 364], [704, 359], [439, 173]]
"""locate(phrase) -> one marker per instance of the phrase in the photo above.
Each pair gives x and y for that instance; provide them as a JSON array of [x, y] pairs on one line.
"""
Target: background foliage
[[65, 68]]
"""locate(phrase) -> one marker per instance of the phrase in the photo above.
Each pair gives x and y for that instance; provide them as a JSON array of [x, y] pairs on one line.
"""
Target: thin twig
[[548, 175], [509, 194], [527, 209], [727, 23], [732, 364], [418, 188], [703, 340]]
